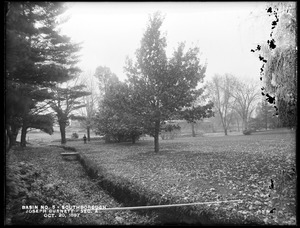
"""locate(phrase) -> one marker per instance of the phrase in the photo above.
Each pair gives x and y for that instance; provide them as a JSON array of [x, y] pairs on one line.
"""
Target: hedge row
[[131, 194], [79, 139], [134, 195]]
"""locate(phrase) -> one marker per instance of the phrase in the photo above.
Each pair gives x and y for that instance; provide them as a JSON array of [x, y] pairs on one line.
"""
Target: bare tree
[[87, 113], [105, 78], [220, 89], [246, 95]]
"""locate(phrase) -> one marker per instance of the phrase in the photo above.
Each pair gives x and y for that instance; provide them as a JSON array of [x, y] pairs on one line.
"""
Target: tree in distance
[[221, 88], [246, 95], [233, 97], [106, 78], [86, 115], [265, 117], [194, 113]]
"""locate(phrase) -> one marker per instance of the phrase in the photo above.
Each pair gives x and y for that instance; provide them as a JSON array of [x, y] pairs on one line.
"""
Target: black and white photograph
[[150, 113]]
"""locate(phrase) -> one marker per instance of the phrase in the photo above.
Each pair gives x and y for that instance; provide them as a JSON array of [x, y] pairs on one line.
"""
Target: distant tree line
[[240, 103], [277, 106]]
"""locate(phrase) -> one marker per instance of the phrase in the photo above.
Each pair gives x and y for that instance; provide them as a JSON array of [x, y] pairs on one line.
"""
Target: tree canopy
[[37, 58], [161, 86], [105, 78], [233, 97], [115, 119], [220, 88], [279, 57], [265, 117], [64, 101]]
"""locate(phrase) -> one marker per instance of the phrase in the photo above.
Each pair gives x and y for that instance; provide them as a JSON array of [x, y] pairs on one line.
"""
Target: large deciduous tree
[[162, 86], [65, 100], [246, 95]]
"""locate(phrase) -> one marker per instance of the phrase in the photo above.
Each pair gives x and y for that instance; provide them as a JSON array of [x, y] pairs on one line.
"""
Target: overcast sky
[[224, 31]]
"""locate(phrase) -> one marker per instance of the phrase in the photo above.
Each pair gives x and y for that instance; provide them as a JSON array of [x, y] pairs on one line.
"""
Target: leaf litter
[[205, 169], [78, 189]]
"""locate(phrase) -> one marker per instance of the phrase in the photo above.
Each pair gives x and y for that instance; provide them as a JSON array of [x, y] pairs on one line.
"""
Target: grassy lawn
[[41, 138], [209, 169]]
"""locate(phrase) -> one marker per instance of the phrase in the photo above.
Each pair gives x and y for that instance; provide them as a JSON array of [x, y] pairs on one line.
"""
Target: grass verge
[[38, 176], [205, 169]]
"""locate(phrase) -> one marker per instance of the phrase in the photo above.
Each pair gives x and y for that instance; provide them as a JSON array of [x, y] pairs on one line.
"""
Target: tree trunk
[[213, 128], [224, 123], [156, 143], [7, 141], [88, 129], [238, 125], [225, 130], [156, 136], [23, 136], [62, 128], [14, 136], [266, 126], [245, 122], [12, 133], [133, 138], [224, 126], [193, 129]]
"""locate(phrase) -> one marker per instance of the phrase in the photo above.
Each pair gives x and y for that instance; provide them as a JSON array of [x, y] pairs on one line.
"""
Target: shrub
[[74, 136], [200, 133], [170, 131], [247, 132], [123, 137]]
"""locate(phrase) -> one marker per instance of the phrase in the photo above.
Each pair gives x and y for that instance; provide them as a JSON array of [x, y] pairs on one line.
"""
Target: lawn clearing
[[210, 169]]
